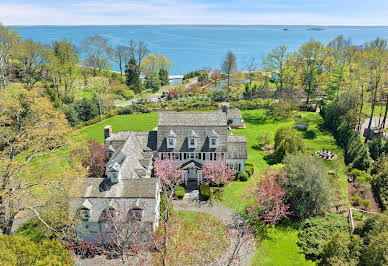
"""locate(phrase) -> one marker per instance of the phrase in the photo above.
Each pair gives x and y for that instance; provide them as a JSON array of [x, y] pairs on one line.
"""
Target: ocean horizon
[[192, 47]]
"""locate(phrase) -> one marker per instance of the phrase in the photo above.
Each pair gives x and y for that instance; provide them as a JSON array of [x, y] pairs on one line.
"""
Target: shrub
[[243, 176], [21, 251], [71, 115], [287, 141], [366, 203], [125, 110], [308, 107], [31, 230], [249, 169], [308, 187], [375, 147], [127, 94], [180, 192], [315, 232], [264, 138], [357, 200], [86, 109], [248, 163], [204, 191]]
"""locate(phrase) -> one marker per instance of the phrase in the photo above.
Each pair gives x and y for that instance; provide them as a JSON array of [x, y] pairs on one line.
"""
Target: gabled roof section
[[171, 134], [192, 119], [233, 113], [193, 134], [127, 188], [213, 134]]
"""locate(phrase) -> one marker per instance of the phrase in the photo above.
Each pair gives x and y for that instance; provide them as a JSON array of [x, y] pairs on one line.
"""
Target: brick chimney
[[224, 106], [107, 131]]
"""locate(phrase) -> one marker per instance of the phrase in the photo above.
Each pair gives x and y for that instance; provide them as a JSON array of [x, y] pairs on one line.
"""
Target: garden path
[[231, 219]]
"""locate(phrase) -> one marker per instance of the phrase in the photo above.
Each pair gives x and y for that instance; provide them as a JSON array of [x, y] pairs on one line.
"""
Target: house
[[233, 116], [191, 138], [99, 199]]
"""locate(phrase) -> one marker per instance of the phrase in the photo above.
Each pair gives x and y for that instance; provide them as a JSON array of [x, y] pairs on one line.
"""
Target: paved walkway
[[230, 218]]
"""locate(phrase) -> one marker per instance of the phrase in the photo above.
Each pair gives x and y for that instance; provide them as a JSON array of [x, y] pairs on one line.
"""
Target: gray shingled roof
[[192, 119], [237, 147], [126, 188], [233, 113], [130, 158]]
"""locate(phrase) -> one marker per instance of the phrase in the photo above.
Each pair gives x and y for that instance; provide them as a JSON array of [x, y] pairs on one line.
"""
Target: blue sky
[[144, 12]]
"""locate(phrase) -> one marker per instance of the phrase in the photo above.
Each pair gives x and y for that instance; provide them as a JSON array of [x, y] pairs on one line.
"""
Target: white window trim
[[211, 144], [195, 143], [169, 146]]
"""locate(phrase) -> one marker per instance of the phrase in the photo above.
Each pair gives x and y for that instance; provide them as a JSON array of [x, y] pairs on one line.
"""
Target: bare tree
[[229, 66], [138, 50], [98, 51], [120, 56], [251, 67]]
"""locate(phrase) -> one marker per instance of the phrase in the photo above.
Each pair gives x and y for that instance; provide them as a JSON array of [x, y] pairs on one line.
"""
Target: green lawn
[[281, 248], [133, 122]]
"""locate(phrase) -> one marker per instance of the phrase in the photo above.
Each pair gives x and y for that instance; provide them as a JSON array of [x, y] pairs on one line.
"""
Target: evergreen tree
[[362, 160], [132, 75], [152, 81], [163, 76]]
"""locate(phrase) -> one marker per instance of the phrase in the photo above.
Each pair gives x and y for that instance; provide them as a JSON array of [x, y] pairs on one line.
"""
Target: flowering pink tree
[[269, 200], [170, 175], [218, 172]]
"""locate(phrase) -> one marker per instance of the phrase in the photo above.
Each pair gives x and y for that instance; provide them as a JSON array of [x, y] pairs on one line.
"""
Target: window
[[213, 142], [107, 215], [135, 214], [170, 143], [83, 214], [192, 142]]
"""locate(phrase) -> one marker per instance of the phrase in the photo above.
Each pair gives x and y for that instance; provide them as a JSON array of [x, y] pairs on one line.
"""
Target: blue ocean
[[193, 47]]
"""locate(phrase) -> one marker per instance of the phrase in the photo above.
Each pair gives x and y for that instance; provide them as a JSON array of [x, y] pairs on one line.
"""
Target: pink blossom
[[218, 172]]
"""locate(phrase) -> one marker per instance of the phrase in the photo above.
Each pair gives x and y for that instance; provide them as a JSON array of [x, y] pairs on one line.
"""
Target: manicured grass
[[280, 248], [133, 122], [256, 122], [195, 238]]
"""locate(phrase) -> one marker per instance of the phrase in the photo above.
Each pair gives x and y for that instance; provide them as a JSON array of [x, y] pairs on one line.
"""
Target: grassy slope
[[135, 122]]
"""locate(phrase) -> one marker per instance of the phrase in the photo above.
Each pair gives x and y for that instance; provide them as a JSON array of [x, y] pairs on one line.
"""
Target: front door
[[192, 173]]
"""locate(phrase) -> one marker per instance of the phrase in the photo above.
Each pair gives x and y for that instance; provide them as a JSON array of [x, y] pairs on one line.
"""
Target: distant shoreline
[[190, 25]]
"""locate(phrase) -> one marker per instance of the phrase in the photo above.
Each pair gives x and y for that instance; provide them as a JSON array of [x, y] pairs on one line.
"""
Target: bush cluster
[[243, 176], [179, 192], [204, 191]]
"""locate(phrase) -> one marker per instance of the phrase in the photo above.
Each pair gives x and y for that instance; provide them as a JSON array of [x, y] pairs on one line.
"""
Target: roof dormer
[[171, 139], [192, 140], [213, 139]]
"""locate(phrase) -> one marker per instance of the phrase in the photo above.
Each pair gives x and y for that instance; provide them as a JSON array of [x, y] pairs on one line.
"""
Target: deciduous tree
[[308, 189], [269, 199], [218, 172], [170, 175], [8, 42], [98, 51], [310, 61], [96, 161], [33, 137], [229, 66]]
